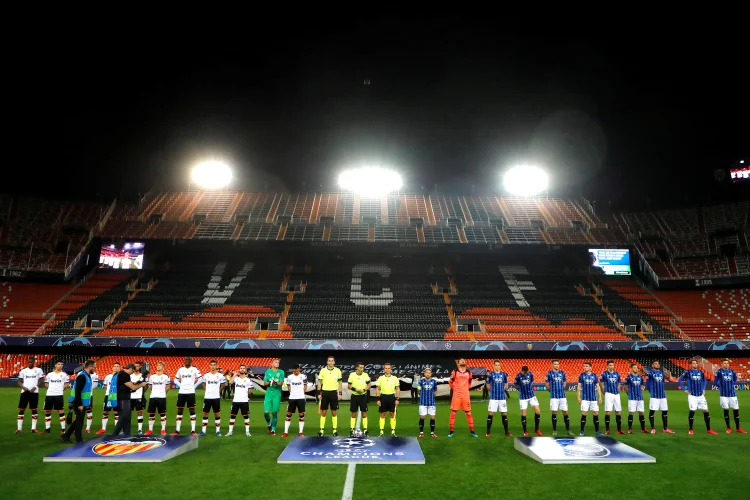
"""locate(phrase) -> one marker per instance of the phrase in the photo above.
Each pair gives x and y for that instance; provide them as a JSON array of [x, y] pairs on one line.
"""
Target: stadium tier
[[50, 236], [710, 314]]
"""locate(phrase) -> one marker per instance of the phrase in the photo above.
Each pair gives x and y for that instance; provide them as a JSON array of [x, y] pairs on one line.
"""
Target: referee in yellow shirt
[[359, 384], [389, 392], [330, 389]]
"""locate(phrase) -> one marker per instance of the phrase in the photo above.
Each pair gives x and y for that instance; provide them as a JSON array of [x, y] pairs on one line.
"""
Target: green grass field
[[459, 468]]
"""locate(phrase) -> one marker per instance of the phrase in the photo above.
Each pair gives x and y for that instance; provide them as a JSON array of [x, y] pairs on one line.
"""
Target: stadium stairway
[[631, 304], [98, 296]]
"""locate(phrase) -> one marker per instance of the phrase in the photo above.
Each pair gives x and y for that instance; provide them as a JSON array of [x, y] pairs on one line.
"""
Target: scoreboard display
[[740, 174]]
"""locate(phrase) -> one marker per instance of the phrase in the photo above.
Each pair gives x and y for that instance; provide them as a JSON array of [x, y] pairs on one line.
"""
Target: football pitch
[[457, 468]]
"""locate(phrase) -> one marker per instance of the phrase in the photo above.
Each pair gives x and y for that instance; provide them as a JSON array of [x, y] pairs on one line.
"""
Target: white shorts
[[657, 404], [612, 402], [634, 406], [426, 410], [525, 403], [558, 404], [589, 405], [727, 403], [697, 403], [498, 405]]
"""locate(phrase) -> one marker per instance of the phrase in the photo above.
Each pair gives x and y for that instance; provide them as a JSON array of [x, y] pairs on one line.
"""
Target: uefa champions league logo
[[353, 443], [578, 449]]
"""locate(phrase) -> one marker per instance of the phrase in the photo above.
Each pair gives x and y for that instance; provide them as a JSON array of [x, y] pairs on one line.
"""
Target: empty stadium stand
[[632, 305], [710, 314]]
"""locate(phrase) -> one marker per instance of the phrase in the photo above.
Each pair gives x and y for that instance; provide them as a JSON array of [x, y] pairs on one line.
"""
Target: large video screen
[[122, 255], [740, 174], [610, 262]]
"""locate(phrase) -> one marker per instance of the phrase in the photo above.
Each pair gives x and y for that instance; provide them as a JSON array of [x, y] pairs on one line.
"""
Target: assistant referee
[[330, 388], [359, 384], [389, 391]]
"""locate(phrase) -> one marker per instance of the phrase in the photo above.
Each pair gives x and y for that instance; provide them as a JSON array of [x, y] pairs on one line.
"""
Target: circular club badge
[[127, 446]]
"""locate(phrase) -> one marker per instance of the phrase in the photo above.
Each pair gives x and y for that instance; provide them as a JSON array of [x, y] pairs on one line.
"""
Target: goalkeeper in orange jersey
[[460, 382]]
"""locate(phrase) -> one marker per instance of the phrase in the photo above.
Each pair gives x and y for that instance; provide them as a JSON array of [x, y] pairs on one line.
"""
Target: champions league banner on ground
[[488, 348], [580, 450], [350, 450]]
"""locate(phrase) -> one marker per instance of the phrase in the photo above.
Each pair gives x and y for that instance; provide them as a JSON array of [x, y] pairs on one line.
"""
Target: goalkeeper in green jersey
[[272, 380]]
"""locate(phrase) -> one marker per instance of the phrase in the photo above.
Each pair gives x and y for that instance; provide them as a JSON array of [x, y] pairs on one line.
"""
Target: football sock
[[583, 422], [140, 421], [489, 423], [287, 422], [630, 421], [382, 424], [105, 419], [523, 422], [275, 420], [352, 423], [217, 421], [62, 421], [596, 423], [651, 418], [642, 420], [205, 422], [665, 419], [163, 419], [691, 417], [47, 420], [566, 419], [267, 416], [618, 420], [364, 423], [90, 419], [117, 417], [421, 425], [231, 422], [736, 418], [20, 419], [301, 422], [393, 424], [606, 422], [537, 420], [505, 422], [335, 422], [151, 420], [470, 419], [247, 424], [193, 419], [432, 425], [726, 418], [178, 421], [554, 422], [322, 422], [707, 419], [34, 417], [452, 420]]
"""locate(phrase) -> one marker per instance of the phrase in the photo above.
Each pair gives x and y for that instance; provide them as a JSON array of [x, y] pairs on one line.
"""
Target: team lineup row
[[124, 389]]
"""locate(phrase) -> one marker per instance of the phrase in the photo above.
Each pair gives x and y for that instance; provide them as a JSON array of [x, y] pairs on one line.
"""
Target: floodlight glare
[[212, 174], [525, 180], [370, 181]]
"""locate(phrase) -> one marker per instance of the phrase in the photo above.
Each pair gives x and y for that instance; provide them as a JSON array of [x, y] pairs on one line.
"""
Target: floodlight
[[370, 181], [212, 174], [525, 180]]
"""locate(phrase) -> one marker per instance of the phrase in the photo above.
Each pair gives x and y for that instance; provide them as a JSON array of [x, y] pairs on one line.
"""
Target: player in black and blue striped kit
[[427, 386], [555, 383], [725, 379], [634, 382], [497, 384], [657, 397], [611, 381], [589, 397], [694, 383]]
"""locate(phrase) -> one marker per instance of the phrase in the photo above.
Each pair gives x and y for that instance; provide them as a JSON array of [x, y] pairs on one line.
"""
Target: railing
[[41, 329]]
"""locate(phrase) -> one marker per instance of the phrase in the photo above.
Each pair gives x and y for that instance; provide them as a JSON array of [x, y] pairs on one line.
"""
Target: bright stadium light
[[212, 174], [370, 182], [525, 180]]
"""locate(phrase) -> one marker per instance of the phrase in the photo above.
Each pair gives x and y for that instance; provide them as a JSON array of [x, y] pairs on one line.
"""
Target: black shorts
[[295, 405], [30, 399], [211, 405], [137, 404], [359, 402], [387, 403], [54, 403], [329, 399], [184, 400], [240, 409], [157, 405]]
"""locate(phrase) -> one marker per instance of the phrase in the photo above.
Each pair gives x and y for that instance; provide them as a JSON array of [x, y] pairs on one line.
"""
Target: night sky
[[638, 118]]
